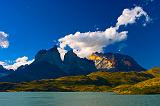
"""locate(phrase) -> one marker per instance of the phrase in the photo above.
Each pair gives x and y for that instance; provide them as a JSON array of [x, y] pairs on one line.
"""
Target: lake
[[76, 99]]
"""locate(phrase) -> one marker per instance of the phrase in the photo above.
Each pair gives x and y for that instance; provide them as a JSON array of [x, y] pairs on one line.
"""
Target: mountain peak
[[51, 56]]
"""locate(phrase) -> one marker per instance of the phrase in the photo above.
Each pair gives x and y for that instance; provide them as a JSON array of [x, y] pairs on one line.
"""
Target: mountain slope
[[115, 62], [35, 71], [4, 72], [78, 66]]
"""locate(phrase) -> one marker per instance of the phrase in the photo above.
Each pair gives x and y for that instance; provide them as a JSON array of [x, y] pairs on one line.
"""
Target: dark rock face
[[48, 64], [52, 56], [76, 65], [4, 72], [115, 62]]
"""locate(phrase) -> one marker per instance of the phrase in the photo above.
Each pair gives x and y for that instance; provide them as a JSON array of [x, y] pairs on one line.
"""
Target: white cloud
[[18, 62], [129, 16], [4, 43], [2, 63], [84, 44]]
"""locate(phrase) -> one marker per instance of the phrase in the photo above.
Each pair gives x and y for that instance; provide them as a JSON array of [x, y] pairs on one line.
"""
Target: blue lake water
[[76, 99]]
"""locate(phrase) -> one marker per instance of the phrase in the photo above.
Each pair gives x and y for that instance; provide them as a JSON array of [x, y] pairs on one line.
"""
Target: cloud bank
[[18, 62], [84, 44], [4, 43]]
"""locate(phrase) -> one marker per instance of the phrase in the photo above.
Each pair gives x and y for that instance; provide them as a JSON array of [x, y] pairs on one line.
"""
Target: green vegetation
[[154, 71], [119, 78], [95, 82], [150, 86]]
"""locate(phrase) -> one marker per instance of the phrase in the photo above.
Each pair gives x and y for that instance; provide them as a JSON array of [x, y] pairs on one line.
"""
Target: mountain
[[52, 56], [48, 64], [4, 72], [115, 62]]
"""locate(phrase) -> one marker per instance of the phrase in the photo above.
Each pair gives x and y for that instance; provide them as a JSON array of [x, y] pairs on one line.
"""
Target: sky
[[31, 25]]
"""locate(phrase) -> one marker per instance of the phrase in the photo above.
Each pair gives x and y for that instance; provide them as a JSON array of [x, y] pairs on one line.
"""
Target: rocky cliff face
[[115, 62], [76, 65], [51, 56]]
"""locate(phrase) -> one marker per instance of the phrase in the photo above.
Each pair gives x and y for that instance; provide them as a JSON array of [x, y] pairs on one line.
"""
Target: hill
[[150, 86], [154, 71], [96, 81]]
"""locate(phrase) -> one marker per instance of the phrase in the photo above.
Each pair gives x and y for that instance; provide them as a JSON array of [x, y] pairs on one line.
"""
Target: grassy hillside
[[97, 81], [154, 71], [119, 78], [150, 86]]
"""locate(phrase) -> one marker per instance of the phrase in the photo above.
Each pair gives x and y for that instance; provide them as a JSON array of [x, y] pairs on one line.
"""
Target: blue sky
[[38, 24]]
